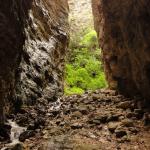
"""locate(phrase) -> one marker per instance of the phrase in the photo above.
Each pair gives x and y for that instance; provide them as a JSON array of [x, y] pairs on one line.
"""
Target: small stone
[[22, 120], [102, 118], [112, 126], [36, 124], [31, 127], [26, 135], [124, 139], [124, 105], [100, 127], [76, 126], [137, 116], [15, 146], [130, 115], [133, 130], [91, 135], [77, 114], [127, 123], [121, 118], [83, 109], [62, 123], [91, 125], [66, 111], [90, 107], [110, 92], [55, 131], [55, 112], [18, 146], [68, 147], [114, 117], [120, 132], [139, 111], [146, 119], [58, 121], [95, 97], [97, 122], [90, 121], [88, 101], [108, 100]]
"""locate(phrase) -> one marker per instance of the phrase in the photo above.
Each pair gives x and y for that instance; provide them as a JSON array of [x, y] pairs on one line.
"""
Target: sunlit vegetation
[[84, 70]]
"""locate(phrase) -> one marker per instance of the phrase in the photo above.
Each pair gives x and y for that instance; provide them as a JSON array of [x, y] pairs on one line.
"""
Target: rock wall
[[80, 16], [33, 41], [123, 30]]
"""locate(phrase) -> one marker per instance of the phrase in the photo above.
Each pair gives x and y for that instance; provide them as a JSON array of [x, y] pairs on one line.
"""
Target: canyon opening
[[84, 69]]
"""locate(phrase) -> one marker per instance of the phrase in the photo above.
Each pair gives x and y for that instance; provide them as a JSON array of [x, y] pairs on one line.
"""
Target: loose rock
[[113, 125], [120, 132]]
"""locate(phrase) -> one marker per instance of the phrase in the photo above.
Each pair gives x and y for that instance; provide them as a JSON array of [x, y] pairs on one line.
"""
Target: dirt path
[[101, 120]]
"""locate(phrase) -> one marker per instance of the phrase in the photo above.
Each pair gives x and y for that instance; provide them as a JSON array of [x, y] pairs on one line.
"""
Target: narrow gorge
[[34, 43]]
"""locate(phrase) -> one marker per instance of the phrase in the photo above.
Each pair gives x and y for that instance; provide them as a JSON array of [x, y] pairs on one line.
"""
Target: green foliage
[[85, 38], [84, 69], [90, 39], [73, 90]]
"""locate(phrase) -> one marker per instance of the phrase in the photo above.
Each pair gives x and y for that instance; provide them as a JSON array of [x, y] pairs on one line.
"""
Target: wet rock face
[[34, 37], [123, 30], [41, 67], [11, 44]]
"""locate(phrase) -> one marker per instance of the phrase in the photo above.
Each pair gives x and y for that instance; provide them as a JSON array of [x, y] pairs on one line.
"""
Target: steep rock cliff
[[34, 38], [80, 15], [123, 31]]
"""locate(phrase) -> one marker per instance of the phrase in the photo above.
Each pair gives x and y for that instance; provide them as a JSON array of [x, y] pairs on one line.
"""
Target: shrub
[[89, 40], [84, 70], [73, 90]]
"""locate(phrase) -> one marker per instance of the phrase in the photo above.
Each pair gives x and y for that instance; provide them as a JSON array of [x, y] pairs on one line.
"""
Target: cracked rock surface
[[34, 38], [123, 31]]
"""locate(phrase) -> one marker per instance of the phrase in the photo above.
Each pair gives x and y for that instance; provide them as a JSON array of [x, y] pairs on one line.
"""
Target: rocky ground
[[100, 120]]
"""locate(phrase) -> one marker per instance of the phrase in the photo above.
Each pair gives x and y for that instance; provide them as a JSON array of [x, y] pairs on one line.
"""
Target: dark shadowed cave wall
[[33, 41], [124, 36]]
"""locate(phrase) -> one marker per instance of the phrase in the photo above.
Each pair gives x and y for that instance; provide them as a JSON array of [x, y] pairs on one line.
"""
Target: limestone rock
[[127, 123], [27, 134], [34, 38], [113, 125], [124, 105], [18, 146], [123, 37], [77, 114], [120, 132], [76, 126]]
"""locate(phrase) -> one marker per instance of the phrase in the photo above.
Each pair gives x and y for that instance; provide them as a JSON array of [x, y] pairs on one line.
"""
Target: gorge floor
[[100, 120]]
